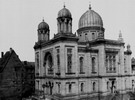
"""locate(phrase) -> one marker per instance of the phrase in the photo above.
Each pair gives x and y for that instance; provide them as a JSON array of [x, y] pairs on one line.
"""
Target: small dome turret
[[64, 13], [43, 25], [64, 21], [43, 31]]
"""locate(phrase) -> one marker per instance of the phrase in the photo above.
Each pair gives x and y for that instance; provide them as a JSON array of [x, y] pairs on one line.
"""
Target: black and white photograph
[[67, 49]]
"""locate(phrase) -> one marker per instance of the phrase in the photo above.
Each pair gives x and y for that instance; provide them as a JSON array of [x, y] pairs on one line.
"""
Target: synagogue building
[[84, 65]]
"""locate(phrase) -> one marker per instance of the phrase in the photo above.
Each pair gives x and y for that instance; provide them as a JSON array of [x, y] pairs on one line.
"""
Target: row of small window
[[70, 87], [93, 35]]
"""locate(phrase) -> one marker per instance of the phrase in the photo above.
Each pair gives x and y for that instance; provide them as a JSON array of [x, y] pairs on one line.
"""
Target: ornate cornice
[[105, 41], [111, 50], [85, 49], [102, 41], [57, 38], [91, 28], [80, 77]]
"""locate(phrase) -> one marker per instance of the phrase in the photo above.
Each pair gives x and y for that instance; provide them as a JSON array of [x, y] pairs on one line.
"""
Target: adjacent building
[[84, 65], [11, 76], [29, 80]]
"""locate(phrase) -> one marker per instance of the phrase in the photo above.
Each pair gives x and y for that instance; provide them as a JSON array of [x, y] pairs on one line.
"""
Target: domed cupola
[[64, 21], [64, 13], [43, 31], [43, 25], [90, 18], [90, 24]]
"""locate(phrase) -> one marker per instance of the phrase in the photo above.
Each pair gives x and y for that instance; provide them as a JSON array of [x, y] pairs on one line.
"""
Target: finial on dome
[[120, 34], [128, 47], [89, 5], [64, 5], [43, 19], [120, 37]]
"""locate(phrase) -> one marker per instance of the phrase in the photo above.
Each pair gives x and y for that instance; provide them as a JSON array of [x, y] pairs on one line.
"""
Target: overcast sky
[[19, 20]]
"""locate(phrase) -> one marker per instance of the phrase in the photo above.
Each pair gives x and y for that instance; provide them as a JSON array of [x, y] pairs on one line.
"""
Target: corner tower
[[64, 21], [43, 31], [90, 26]]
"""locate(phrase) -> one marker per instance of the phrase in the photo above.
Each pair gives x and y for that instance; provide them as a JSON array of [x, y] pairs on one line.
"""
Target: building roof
[[28, 64], [4, 59]]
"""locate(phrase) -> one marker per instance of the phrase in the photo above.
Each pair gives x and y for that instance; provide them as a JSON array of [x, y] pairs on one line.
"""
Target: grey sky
[[19, 20]]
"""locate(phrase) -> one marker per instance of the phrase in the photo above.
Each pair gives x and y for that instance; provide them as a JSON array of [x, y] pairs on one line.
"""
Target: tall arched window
[[58, 88], [114, 63], [70, 88], [125, 67], [107, 63], [93, 65], [37, 60], [58, 60], [93, 36], [82, 87], [107, 85], [125, 83], [48, 62], [94, 86], [81, 64], [110, 62], [69, 60]]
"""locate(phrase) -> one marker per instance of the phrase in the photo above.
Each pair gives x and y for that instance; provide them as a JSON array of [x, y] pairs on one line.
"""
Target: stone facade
[[83, 67]]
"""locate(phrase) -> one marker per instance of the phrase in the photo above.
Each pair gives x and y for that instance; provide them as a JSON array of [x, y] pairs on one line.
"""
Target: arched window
[[58, 60], [48, 62], [107, 63], [93, 36], [125, 65], [81, 64], [107, 85], [82, 87], [93, 65], [58, 88], [110, 62], [94, 86], [114, 63], [70, 88], [69, 60]]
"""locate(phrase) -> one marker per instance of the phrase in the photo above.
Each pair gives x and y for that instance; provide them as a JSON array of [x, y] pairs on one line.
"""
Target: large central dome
[[89, 19]]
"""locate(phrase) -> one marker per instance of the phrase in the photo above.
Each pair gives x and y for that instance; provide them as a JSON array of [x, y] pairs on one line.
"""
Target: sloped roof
[[4, 60]]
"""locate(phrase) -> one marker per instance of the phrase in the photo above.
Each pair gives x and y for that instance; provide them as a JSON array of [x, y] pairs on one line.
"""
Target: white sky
[[19, 20]]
